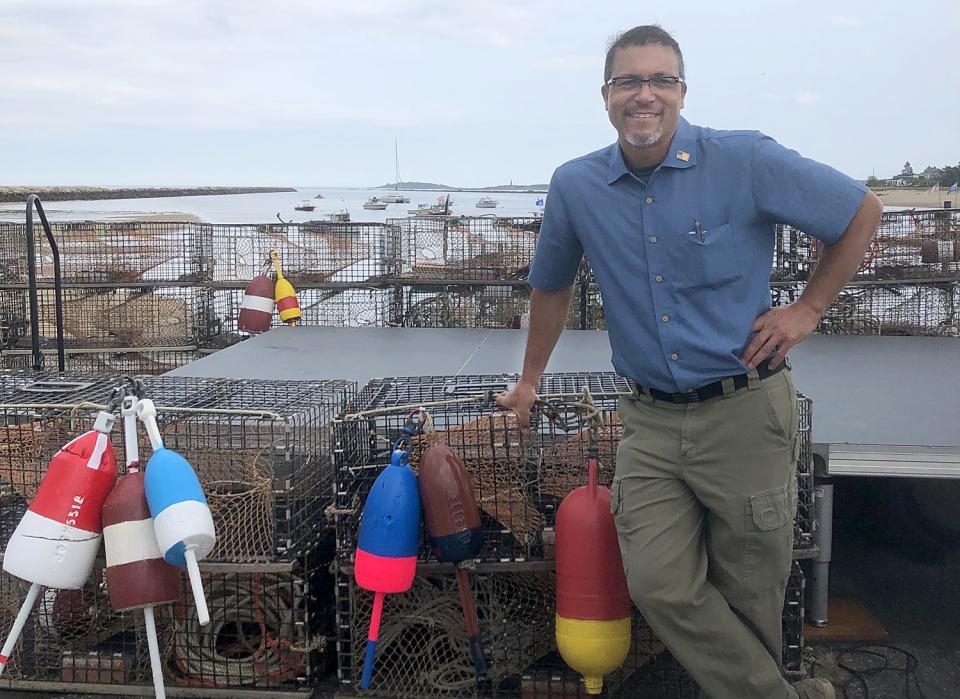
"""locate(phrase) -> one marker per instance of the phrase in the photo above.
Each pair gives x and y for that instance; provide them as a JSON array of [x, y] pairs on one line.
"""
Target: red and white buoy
[[57, 540], [137, 575], [256, 310]]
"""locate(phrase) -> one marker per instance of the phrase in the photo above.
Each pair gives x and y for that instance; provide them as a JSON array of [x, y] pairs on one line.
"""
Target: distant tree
[[907, 169]]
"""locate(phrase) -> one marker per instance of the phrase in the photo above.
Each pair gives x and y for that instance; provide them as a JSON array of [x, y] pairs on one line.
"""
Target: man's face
[[646, 119]]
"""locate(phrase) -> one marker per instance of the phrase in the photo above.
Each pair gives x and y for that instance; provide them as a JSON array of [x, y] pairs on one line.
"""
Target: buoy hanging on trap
[[386, 559], [593, 603], [256, 310], [453, 521], [56, 542], [137, 575], [286, 297], [181, 517]]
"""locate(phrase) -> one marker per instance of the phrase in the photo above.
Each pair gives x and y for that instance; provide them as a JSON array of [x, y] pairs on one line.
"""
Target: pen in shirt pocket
[[697, 229]]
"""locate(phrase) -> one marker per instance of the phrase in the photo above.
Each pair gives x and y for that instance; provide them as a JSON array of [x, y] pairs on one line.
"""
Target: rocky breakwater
[[19, 194]]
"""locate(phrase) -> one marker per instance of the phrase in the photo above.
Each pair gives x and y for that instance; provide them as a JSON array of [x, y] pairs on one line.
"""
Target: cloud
[[843, 21], [806, 98]]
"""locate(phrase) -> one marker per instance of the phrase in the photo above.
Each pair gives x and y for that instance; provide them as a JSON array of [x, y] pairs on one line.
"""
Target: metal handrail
[[34, 200]]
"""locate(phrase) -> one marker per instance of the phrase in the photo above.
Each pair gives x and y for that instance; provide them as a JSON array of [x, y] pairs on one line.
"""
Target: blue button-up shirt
[[683, 262]]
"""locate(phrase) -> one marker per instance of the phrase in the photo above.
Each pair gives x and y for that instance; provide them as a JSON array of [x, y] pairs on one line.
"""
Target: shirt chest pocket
[[710, 258]]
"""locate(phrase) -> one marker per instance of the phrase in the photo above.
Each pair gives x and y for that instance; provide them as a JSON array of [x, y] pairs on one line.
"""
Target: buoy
[[256, 310], [181, 517], [137, 575], [593, 602], [56, 542], [286, 297], [386, 559], [453, 521]]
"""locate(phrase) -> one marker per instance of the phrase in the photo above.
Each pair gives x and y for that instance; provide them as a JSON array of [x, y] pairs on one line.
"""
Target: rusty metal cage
[[422, 648], [478, 249], [261, 449], [265, 637], [518, 481]]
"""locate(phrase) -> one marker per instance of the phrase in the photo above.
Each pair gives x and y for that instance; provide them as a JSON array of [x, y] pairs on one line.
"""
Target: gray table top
[[866, 390]]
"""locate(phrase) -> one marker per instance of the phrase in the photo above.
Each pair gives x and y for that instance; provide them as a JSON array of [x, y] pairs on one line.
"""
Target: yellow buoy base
[[593, 648]]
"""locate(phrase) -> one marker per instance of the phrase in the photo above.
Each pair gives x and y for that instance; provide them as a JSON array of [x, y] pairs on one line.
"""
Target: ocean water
[[263, 208]]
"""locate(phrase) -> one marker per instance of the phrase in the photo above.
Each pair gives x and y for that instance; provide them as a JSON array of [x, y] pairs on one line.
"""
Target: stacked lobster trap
[[263, 453], [128, 295], [907, 284], [519, 482]]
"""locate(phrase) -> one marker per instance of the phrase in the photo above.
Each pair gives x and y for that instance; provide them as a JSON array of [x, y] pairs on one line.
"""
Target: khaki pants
[[704, 499]]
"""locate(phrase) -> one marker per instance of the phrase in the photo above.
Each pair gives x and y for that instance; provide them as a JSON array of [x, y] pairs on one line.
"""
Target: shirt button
[[674, 356], [659, 277], [649, 200], [653, 238], [664, 317]]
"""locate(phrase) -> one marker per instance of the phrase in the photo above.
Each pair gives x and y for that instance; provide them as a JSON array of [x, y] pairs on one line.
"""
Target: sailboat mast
[[396, 159]]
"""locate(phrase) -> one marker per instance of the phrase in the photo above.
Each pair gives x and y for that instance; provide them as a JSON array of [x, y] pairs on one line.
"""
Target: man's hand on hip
[[519, 399], [777, 332]]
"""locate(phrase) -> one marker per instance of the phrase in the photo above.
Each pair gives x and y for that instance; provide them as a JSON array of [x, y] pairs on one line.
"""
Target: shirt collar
[[682, 153]]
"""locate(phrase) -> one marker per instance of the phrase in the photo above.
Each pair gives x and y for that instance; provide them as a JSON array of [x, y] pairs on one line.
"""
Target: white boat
[[487, 203], [375, 204]]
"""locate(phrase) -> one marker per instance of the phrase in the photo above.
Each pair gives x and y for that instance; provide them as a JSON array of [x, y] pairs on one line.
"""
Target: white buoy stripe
[[130, 542], [258, 303]]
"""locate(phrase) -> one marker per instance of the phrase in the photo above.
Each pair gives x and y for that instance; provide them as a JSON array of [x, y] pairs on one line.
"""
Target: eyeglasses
[[634, 83]]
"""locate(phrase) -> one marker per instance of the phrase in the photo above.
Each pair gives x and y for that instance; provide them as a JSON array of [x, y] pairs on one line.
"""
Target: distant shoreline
[[13, 195]]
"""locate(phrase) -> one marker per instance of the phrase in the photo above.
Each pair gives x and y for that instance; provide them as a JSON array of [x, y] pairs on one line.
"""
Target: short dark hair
[[641, 36]]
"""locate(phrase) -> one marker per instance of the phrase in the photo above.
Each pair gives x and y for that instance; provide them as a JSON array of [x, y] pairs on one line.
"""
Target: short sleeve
[[559, 251], [813, 197]]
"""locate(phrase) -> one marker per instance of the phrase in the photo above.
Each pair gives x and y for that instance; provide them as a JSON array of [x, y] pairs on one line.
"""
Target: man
[[677, 223]]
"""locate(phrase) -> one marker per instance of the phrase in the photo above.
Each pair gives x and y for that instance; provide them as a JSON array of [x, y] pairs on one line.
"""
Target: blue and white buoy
[[181, 517]]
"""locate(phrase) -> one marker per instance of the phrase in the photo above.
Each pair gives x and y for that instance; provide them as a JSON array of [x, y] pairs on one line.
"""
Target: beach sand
[[901, 196]]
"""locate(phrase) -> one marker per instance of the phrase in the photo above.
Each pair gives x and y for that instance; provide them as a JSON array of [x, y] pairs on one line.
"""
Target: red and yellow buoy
[[285, 296], [593, 602]]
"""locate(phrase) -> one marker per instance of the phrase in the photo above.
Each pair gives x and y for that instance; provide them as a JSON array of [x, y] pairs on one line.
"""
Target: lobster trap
[[422, 649], [107, 316], [478, 249], [104, 252], [311, 253], [518, 480], [265, 636], [261, 449]]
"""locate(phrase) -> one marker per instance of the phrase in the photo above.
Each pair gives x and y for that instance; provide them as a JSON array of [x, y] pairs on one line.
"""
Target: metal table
[[883, 406]]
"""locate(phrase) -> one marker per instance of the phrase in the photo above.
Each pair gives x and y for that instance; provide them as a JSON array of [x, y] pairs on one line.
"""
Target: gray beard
[[641, 141]]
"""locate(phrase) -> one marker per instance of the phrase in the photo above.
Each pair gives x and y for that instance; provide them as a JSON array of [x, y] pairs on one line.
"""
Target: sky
[[476, 93]]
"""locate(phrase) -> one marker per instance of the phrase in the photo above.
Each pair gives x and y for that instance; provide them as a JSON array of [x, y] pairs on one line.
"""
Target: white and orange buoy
[[57, 540], [137, 575], [287, 304], [256, 310]]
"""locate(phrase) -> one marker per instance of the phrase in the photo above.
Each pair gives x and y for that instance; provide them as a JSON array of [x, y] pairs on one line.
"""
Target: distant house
[[904, 180]]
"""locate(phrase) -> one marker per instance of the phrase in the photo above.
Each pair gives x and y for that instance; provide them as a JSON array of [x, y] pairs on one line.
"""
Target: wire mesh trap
[[264, 633], [422, 649], [261, 449], [518, 481]]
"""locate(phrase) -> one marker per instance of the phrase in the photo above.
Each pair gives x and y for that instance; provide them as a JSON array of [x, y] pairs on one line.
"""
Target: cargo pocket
[[616, 508], [769, 544]]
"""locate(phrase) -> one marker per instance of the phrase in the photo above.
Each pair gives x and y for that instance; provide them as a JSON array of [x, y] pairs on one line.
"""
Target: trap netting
[[518, 480]]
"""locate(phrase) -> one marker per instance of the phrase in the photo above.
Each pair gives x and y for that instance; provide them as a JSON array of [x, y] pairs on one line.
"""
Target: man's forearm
[[841, 260], [548, 316]]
